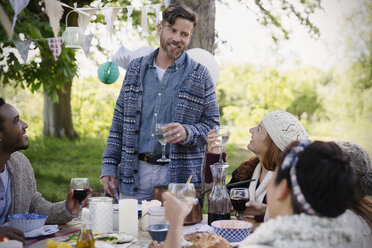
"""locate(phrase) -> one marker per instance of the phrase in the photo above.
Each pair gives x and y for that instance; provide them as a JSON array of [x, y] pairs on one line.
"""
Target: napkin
[[200, 227], [42, 231]]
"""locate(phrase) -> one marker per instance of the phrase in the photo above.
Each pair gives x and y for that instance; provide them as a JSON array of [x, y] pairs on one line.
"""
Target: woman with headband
[[312, 186], [269, 139], [359, 214]]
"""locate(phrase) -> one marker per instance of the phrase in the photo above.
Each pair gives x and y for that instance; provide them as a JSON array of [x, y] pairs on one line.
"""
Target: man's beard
[[172, 55]]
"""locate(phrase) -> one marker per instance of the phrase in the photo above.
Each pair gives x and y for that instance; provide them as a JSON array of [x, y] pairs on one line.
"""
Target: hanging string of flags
[[54, 10]]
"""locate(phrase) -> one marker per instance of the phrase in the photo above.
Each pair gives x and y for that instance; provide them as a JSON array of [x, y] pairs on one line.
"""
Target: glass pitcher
[[219, 205]]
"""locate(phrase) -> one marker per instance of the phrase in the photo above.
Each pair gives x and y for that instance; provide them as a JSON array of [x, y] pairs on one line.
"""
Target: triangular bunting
[[157, 13], [18, 6], [144, 25], [86, 45], [84, 20], [23, 48], [110, 16], [54, 10], [129, 14], [55, 46]]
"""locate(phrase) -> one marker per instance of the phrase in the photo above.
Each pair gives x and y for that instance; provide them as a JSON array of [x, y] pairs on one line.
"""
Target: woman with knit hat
[[359, 214], [269, 139]]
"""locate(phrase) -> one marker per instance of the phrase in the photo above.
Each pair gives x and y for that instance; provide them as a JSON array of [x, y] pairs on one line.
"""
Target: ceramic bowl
[[26, 222], [232, 230], [158, 232]]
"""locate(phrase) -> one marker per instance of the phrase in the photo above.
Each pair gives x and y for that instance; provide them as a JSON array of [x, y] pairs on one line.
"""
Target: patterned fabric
[[195, 107], [23, 48], [86, 45], [26, 198], [290, 161], [55, 46]]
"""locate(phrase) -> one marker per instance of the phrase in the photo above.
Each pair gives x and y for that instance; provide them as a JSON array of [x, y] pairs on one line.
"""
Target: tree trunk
[[58, 116], [203, 35]]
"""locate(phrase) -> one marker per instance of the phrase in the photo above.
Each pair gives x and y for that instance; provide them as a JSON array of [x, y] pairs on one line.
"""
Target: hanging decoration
[[83, 19], [18, 6], [5, 22], [73, 37], [54, 10], [166, 2], [110, 16], [55, 46], [108, 72], [23, 47], [87, 42], [129, 18], [144, 24], [157, 13]]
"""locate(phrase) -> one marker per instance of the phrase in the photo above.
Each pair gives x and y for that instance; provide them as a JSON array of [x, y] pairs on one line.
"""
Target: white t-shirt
[[159, 71], [4, 177]]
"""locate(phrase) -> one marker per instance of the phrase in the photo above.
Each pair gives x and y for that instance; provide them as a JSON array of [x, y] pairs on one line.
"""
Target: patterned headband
[[290, 161]]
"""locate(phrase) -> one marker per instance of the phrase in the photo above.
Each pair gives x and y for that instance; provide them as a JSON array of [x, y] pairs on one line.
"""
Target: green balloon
[[108, 72]]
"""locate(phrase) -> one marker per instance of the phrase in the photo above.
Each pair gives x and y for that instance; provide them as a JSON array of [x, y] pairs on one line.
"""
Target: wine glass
[[239, 197], [186, 193], [223, 133], [159, 133], [81, 189]]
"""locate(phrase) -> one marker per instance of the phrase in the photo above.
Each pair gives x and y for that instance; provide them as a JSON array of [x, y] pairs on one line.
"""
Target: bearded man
[[169, 87]]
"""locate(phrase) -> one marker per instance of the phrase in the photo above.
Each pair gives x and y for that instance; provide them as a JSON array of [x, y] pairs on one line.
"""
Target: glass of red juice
[[239, 197]]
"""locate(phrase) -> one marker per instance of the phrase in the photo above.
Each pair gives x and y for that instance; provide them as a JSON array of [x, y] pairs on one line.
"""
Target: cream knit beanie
[[360, 161], [283, 128]]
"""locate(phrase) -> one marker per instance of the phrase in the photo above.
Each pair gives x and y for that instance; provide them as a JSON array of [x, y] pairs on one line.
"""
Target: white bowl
[[27, 222]]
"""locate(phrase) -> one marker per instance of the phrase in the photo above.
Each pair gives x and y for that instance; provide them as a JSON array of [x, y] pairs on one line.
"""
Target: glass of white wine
[[223, 133], [159, 133], [186, 193]]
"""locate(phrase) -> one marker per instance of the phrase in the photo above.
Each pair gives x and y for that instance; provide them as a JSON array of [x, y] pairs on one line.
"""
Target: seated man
[[18, 192]]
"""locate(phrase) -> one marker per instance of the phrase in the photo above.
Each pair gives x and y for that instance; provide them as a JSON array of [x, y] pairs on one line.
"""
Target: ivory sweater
[[26, 198]]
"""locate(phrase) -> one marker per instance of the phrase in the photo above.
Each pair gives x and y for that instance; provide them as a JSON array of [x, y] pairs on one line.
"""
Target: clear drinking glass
[[81, 188], [159, 132], [239, 197], [223, 133], [186, 193]]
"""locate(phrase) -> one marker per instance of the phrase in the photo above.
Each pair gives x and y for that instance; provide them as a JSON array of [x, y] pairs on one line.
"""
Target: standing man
[[165, 87], [18, 192]]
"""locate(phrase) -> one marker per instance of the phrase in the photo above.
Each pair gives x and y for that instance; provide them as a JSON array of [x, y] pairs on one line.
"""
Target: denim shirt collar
[[175, 65]]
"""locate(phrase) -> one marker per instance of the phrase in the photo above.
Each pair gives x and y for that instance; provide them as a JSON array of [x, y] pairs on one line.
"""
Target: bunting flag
[[129, 18], [18, 6], [55, 46], [110, 16], [23, 47], [84, 20], [157, 12], [5, 22], [54, 10], [87, 42], [144, 11]]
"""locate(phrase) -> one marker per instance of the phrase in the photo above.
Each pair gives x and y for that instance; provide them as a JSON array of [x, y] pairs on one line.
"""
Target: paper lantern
[[108, 72], [73, 37]]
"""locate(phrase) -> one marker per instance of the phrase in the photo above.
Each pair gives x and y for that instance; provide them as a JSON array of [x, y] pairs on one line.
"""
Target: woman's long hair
[[269, 161], [363, 207]]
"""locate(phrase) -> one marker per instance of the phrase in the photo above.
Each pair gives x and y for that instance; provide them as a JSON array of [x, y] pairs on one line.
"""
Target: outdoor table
[[143, 237]]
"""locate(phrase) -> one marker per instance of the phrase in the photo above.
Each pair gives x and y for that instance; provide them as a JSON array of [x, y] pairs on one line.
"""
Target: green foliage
[[56, 161]]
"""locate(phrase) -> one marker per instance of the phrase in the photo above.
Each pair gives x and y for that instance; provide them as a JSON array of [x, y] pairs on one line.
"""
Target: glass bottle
[[85, 239], [219, 205]]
